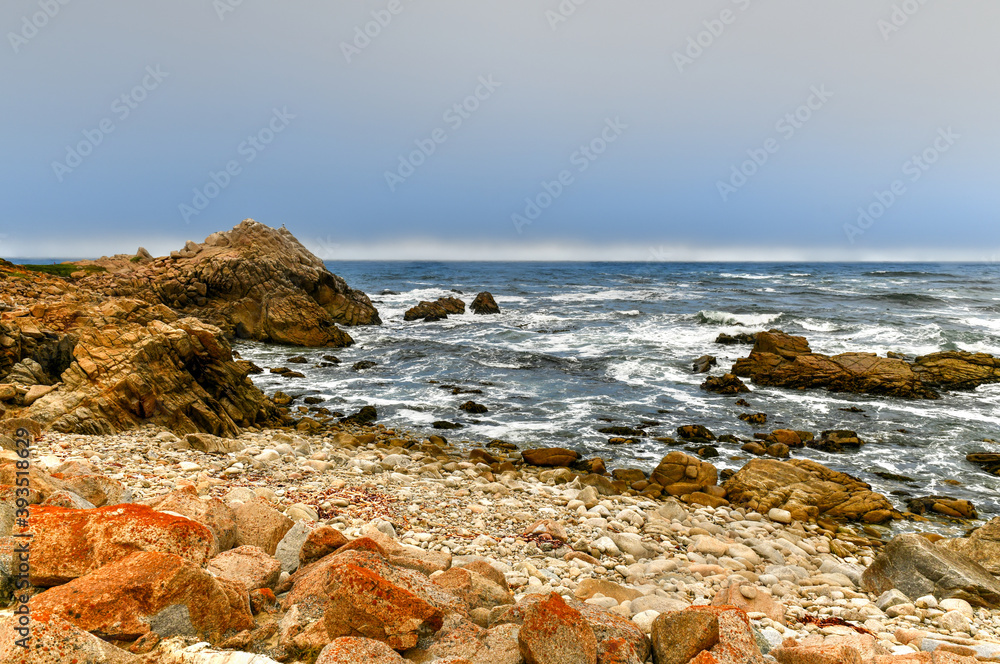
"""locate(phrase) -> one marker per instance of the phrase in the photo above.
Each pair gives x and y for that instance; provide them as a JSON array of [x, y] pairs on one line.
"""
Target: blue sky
[[625, 129]]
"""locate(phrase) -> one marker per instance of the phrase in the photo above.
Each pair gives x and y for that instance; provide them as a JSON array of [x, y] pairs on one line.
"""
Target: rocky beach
[[169, 509]]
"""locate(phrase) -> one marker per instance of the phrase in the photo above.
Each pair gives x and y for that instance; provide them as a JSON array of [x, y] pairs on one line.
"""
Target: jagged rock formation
[[782, 360], [253, 282]]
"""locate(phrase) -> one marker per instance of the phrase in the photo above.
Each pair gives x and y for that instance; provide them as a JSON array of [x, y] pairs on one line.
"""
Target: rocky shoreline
[[180, 515]]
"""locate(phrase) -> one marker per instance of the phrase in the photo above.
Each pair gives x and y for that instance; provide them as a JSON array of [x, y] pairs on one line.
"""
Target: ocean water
[[580, 346]]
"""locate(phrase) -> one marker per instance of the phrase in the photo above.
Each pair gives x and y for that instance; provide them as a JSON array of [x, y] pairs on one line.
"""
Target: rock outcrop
[[807, 490], [434, 311], [782, 360], [484, 304], [982, 545], [253, 282]]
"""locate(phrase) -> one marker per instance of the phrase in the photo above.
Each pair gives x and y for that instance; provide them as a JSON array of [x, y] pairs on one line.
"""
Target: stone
[[677, 638], [916, 567], [56, 641], [355, 650], [210, 512], [320, 543], [550, 456], [97, 489], [554, 633], [982, 545], [248, 566], [475, 590], [807, 490], [259, 524], [484, 304], [750, 599], [123, 598], [590, 587], [64, 499], [365, 596], [832, 654], [290, 547], [727, 384], [782, 360], [204, 442], [677, 468], [434, 311], [70, 543]]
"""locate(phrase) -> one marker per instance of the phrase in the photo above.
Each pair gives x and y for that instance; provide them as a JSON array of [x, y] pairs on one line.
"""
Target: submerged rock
[[484, 304]]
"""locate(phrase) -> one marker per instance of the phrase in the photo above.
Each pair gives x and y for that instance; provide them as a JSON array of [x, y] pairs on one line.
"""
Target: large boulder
[[981, 546], [434, 311], [474, 589], [247, 565], [913, 565], [355, 650], [149, 590], [806, 489], [70, 543], [259, 524], [682, 474], [783, 360], [555, 633], [55, 641], [484, 304], [550, 456], [712, 635], [209, 512]]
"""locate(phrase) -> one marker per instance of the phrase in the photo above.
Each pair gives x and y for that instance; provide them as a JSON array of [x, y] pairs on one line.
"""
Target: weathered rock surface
[[783, 360], [247, 565], [727, 384], [56, 641], [981, 546], [259, 524], [555, 633], [484, 304], [356, 650], [70, 543], [912, 564], [210, 512], [437, 310], [807, 490], [550, 456], [123, 599]]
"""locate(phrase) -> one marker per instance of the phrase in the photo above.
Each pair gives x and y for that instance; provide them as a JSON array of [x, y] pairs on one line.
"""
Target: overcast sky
[[619, 129]]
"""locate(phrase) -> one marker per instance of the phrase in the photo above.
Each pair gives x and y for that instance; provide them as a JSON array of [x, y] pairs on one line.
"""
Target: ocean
[[582, 346]]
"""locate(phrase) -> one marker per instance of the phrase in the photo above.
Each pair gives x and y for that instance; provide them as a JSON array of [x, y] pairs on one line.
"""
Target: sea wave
[[730, 275], [727, 318]]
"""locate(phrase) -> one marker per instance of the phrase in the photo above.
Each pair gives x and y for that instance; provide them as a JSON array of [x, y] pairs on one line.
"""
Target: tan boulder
[[69, 543], [248, 566], [259, 524], [833, 654], [550, 456], [723, 637], [210, 512], [474, 589], [751, 599], [982, 545], [127, 598], [686, 473], [807, 490]]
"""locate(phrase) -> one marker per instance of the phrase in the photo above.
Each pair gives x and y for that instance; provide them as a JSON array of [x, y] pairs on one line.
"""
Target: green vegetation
[[63, 270]]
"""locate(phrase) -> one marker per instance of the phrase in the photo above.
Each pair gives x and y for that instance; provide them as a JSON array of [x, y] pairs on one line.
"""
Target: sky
[[505, 129]]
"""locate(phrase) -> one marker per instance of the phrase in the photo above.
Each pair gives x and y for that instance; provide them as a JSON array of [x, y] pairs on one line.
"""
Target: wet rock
[[70, 543], [695, 432], [944, 505], [474, 408], [484, 304], [550, 456], [122, 599], [445, 425], [755, 419], [741, 338], [782, 360], [704, 364], [435, 311], [912, 564], [836, 441], [367, 415], [363, 365], [727, 384], [807, 490]]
